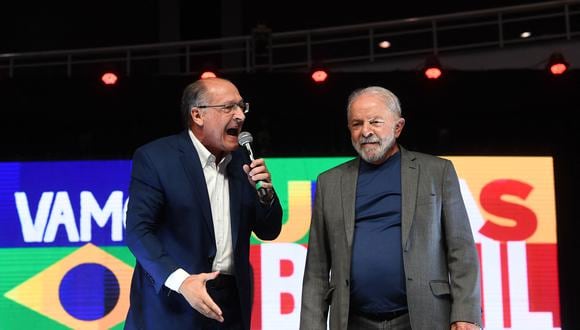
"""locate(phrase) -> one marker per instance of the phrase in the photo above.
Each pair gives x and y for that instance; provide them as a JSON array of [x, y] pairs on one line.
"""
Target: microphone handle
[[249, 149]]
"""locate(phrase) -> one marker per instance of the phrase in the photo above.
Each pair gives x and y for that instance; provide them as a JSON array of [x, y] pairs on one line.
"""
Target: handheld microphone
[[244, 139]]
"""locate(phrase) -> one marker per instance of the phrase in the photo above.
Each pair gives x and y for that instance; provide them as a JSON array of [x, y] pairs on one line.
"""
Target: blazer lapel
[[348, 194], [236, 182], [192, 167], [409, 182]]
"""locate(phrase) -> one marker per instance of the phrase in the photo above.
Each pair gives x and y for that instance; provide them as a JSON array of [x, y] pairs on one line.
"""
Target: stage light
[[109, 78], [525, 34], [208, 74], [319, 76], [432, 69], [433, 73], [557, 64], [384, 44]]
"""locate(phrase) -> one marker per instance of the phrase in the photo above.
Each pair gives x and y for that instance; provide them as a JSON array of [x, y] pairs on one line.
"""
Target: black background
[[28, 25]]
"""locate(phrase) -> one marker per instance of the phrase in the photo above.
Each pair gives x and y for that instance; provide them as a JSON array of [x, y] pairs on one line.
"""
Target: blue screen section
[[64, 203], [89, 291]]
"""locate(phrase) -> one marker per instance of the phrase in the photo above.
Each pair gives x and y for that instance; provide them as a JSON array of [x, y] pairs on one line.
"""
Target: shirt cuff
[[175, 280]]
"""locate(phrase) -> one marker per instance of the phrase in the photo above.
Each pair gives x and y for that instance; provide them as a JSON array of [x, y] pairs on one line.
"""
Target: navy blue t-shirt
[[377, 274]]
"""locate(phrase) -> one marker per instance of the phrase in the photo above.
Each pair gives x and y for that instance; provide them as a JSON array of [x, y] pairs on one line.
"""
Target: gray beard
[[384, 146]]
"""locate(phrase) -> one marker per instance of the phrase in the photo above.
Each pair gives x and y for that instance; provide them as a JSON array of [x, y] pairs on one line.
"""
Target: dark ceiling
[[47, 25]]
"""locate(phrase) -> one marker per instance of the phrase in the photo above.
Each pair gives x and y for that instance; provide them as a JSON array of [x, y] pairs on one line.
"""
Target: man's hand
[[257, 171], [464, 326], [194, 291]]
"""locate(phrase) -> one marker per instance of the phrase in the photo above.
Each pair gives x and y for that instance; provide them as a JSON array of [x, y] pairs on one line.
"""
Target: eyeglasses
[[227, 108]]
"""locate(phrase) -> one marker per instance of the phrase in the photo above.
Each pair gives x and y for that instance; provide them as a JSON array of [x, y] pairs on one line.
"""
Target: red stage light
[[558, 68], [319, 76], [432, 68], [109, 78], [207, 74], [557, 64], [433, 73]]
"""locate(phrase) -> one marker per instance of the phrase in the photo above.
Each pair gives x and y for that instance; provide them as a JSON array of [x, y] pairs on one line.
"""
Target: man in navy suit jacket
[[193, 204]]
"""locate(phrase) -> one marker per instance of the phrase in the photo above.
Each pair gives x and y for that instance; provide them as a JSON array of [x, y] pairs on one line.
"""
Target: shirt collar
[[205, 157]]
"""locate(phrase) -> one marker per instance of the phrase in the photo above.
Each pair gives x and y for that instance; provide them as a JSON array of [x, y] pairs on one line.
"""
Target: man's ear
[[399, 126], [196, 116]]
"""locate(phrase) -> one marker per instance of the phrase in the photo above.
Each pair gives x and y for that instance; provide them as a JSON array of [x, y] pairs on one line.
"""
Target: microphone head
[[245, 138]]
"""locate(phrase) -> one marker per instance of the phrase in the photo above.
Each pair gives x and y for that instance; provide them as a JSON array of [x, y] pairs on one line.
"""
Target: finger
[[259, 175], [262, 171], [258, 169], [257, 162], [216, 312], [246, 168], [264, 177], [206, 311], [212, 308], [211, 276]]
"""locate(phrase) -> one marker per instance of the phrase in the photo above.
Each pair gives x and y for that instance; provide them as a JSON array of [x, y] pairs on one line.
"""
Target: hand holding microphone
[[257, 172]]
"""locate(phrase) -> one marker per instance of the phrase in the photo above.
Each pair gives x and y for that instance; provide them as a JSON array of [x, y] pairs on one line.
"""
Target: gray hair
[[390, 99], [194, 94]]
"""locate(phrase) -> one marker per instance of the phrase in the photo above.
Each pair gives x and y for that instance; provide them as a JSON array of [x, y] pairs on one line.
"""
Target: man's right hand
[[194, 291]]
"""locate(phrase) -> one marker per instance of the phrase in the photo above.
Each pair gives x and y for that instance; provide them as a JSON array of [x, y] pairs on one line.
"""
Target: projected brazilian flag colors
[[65, 266], [88, 289]]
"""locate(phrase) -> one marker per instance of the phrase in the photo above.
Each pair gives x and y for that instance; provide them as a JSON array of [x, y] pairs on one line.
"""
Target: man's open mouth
[[232, 131]]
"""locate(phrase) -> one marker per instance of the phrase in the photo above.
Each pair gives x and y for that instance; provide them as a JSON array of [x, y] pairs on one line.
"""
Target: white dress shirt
[[219, 198]]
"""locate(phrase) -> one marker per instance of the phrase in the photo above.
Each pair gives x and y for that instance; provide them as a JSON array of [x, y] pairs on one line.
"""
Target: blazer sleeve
[[315, 285], [146, 200], [268, 222], [462, 259]]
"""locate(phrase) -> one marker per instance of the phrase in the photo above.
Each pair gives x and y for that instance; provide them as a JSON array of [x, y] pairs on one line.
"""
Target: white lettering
[[33, 230], [113, 209], [282, 272], [62, 214], [491, 271]]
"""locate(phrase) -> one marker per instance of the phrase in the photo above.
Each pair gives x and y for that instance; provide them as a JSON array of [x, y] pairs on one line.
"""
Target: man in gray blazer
[[390, 243]]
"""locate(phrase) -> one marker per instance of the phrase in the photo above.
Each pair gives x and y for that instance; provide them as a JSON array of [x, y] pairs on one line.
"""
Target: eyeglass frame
[[228, 108]]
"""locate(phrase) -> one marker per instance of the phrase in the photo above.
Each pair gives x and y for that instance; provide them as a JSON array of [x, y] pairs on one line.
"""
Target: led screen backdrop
[[64, 263]]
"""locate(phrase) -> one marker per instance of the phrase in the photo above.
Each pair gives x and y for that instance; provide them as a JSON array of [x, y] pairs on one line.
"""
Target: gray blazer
[[439, 255]]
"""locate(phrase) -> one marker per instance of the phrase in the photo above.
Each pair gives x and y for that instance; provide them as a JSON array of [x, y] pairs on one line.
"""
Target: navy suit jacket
[[169, 226]]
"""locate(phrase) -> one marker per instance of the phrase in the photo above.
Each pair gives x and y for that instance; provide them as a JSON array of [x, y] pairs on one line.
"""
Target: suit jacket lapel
[[348, 194], [236, 182], [409, 182], [192, 167]]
